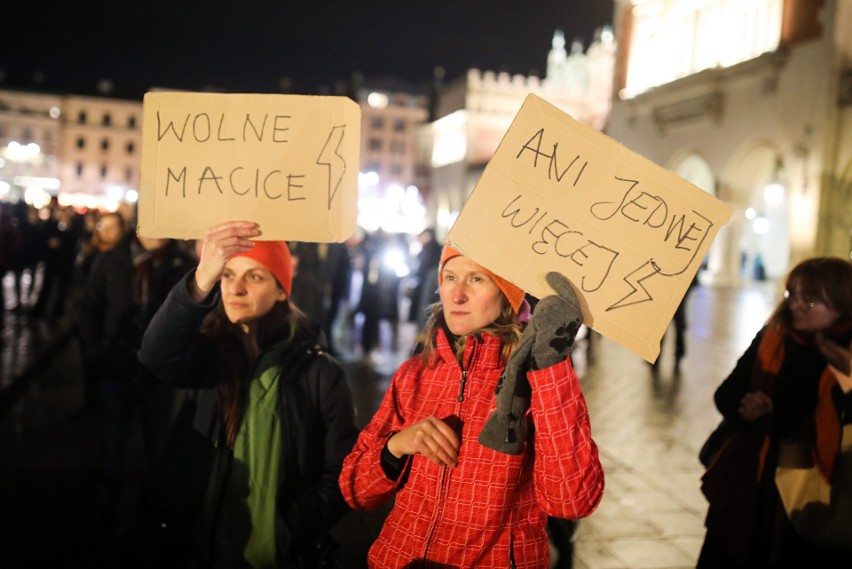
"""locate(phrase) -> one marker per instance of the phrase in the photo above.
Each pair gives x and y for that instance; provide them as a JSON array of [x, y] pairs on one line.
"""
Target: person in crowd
[[339, 286], [108, 231], [126, 284], [424, 293], [379, 291], [321, 275], [792, 383], [104, 231], [271, 413], [31, 251], [473, 485], [679, 321], [62, 232], [10, 249]]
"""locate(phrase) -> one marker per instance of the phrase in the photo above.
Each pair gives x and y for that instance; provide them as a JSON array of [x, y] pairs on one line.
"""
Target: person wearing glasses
[[792, 384]]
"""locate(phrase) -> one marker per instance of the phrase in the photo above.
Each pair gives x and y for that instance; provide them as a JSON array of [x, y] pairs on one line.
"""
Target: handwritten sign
[[560, 196], [287, 162]]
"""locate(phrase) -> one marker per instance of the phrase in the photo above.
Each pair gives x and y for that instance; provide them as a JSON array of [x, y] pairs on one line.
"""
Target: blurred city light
[[395, 260], [17, 152], [377, 100], [41, 182], [114, 194], [773, 193], [367, 179], [36, 197], [760, 226]]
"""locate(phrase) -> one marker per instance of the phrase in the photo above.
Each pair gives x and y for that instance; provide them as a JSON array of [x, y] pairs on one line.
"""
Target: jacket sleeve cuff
[[391, 465], [184, 297]]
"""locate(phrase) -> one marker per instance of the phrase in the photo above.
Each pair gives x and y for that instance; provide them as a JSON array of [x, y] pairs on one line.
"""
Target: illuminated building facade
[[474, 113], [101, 151], [30, 133], [752, 102], [84, 150], [391, 189]]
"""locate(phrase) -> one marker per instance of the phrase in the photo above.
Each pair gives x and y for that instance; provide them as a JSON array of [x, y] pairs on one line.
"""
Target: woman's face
[[471, 300], [249, 291], [810, 314]]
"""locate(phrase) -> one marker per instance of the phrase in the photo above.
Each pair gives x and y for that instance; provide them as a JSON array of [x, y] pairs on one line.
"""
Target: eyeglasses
[[810, 303]]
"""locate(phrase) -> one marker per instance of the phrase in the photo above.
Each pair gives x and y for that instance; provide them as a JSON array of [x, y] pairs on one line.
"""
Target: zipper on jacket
[[463, 379], [460, 398]]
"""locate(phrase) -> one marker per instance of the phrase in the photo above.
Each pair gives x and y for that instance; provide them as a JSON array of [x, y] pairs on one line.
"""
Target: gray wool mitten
[[557, 319], [546, 341]]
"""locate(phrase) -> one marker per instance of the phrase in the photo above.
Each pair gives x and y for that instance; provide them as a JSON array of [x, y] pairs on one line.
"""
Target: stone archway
[[693, 168], [758, 238]]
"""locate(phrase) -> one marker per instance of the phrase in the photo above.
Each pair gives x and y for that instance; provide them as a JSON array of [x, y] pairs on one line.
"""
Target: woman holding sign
[[472, 485], [251, 473]]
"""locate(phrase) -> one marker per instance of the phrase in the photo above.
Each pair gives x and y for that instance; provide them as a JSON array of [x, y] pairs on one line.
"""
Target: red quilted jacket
[[492, 508]]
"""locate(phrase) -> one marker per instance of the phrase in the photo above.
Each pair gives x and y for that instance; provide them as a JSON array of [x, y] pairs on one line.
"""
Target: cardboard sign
[[560, 196], [287, 162]]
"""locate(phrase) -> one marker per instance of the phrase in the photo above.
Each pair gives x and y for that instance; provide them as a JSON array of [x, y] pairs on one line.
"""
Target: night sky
[[251, 46]]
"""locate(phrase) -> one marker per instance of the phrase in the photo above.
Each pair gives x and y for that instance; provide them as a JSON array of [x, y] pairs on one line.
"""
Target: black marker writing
[[252, 182], [202, 127], [534, 145]]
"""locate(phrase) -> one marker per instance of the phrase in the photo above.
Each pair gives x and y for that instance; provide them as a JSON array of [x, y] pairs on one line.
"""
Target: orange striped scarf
[[826, 432]]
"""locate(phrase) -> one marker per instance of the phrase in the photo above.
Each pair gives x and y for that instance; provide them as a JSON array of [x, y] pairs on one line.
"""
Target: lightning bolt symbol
[[330, 157], [635, 280]]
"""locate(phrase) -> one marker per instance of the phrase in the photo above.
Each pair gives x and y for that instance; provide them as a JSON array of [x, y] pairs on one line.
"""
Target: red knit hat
[[514, 294], [275, 257]]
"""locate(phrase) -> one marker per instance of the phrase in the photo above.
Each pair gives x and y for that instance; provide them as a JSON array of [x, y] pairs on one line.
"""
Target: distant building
[[30, 141], [752, 102], [391, 187], [101, 151], [85, 150], [473, 113]]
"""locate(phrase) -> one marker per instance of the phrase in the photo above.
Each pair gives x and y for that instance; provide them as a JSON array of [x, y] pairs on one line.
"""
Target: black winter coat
[[316, 417], [111, 316]]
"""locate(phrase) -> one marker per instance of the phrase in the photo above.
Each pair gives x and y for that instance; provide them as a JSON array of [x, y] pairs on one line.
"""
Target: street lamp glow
[[17, 152], [115, 193], [42, 182], [377, 100], [367, 179], [36, 197], [396, 193], [773, 193], [760, 226]]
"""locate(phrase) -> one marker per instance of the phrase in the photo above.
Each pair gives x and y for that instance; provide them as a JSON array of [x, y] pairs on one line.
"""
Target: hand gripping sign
[[287, 162], [560, 196]]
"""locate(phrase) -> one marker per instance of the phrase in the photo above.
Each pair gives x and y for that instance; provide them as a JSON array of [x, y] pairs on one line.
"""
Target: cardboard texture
[[560, 196], [287, 162]]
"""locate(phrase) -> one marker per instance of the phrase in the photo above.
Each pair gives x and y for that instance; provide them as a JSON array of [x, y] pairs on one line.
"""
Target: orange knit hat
[[275, 257], [514, 294]]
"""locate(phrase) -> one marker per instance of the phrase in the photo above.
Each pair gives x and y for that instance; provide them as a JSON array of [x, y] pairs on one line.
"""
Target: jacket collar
[[484, 348]]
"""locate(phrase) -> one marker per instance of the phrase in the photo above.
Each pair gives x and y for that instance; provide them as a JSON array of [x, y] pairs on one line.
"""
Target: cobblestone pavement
[[648, 426]]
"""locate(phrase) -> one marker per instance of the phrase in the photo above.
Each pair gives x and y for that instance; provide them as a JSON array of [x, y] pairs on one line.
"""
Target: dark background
[[273, 46]]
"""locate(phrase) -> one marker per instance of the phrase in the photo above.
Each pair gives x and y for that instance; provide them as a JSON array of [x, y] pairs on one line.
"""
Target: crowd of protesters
[[374, 277], [93, 268]]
